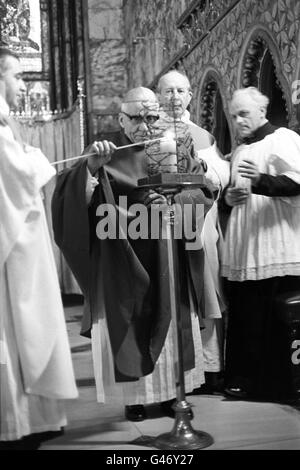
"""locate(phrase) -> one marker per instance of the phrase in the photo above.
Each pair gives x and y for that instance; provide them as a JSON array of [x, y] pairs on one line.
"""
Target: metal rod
[[182, 436], [174, 302], [78, 157]]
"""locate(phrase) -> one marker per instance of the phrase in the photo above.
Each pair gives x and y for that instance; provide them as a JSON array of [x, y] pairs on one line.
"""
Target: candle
[[169, 163], [168, 146], [78, 157], [168, 149]]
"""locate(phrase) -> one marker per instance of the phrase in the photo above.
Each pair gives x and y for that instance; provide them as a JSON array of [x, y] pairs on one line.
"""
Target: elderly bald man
[[125, 278]]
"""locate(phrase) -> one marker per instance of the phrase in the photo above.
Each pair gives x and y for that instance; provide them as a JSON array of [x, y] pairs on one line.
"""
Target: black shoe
[[205, 389], [135, 412], [21, 444], [168, 410], [237, 392]]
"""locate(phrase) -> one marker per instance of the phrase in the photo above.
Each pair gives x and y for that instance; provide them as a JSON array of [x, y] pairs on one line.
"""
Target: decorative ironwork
[[252, 67], [252, 62], [208, 104], [81, 103], [34, 102], [172, 153], [201, 17], [34, 107]]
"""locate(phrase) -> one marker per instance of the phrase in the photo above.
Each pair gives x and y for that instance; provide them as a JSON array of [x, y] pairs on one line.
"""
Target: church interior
[[80, 57]]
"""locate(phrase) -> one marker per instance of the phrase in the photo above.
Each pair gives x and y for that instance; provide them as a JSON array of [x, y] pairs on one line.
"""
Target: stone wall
[[152, 37], [124, 52], [108, 59], [133, 41], [223, 51]]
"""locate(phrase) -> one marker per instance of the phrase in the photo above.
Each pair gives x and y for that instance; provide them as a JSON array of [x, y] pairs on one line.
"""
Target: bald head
[[174, 93], [139, 111], [137, 99], [173, 77]]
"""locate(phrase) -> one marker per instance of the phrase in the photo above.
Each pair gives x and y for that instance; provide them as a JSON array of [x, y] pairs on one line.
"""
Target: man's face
[[13, 82], [137, 118], [174, 95], [247, 115]]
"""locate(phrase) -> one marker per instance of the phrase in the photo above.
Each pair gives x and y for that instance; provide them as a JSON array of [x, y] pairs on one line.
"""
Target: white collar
[[4, 108], [186, 116]]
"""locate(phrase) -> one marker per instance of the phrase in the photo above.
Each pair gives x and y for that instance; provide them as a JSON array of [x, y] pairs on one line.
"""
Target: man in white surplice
[[262, 249], [36, 371], [174, 93]]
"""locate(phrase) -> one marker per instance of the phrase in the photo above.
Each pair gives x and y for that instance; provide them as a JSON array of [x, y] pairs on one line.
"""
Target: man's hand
[[154, 198], [249, 170], [236, 196], [103, 152]]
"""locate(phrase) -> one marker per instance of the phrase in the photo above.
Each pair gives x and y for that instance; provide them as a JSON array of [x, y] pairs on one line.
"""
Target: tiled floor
[[235, 425]]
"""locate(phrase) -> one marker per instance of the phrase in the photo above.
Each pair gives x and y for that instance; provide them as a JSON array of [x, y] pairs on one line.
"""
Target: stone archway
[[261, 67], [270, 86], [211, 113]]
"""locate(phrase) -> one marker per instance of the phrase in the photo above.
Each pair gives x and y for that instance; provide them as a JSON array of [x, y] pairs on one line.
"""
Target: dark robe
[[129, 277]]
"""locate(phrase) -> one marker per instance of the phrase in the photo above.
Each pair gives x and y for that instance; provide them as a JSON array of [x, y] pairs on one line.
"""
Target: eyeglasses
[[147, 118]]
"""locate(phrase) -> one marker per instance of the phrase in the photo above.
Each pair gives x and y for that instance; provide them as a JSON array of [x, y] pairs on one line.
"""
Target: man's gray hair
[[255, 95]]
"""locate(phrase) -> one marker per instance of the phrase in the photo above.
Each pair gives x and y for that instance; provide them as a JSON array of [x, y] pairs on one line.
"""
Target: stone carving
[[222, 47], [15, 24], [151, 36], [203, 14], [207, 103]]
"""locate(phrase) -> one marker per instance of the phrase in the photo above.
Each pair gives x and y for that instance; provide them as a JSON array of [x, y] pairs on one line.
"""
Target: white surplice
[[218, 173], [262, 237], [35, 362]]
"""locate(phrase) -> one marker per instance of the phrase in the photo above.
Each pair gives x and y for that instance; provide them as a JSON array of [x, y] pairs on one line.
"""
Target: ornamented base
[[183, 436], [189, 441]]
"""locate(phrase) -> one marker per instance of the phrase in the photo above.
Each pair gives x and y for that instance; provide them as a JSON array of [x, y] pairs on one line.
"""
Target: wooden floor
[[233, 425]]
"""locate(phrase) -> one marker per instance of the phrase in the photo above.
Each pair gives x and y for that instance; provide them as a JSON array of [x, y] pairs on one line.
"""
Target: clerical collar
[[260, 133], [4, 108], [186, 116]]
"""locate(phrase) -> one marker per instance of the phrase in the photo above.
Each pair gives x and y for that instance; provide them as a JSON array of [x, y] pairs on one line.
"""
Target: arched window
[[269, 86], [212, 115], [220, 127], [259, 70]]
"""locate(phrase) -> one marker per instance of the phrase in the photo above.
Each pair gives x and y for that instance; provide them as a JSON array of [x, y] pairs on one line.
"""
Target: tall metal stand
[[182, 436]]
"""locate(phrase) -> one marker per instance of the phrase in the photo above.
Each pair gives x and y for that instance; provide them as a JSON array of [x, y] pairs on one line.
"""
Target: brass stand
[[182, 436]]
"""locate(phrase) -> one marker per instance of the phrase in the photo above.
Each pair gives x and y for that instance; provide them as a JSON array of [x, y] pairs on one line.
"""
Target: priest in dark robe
[[262, 248], [124, 278]]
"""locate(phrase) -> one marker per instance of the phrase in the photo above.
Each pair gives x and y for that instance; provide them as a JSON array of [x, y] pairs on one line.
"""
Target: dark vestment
[[129, 277]]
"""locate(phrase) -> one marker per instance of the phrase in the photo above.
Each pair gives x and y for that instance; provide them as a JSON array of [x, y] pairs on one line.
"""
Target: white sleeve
[[284, 158], [22, 175], [218, 170]]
